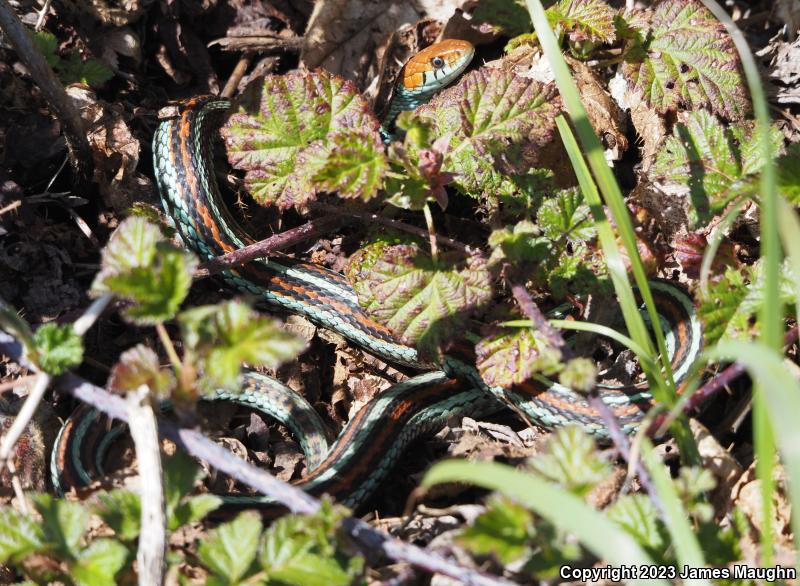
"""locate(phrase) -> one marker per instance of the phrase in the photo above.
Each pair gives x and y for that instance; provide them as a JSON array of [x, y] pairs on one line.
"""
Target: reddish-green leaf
[[683, 58], [498, 122], [508, 356], [423, 301], [306, 132]]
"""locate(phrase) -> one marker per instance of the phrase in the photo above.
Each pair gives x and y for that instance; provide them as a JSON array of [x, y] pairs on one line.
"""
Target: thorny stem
[[431, 231], [391, 223]]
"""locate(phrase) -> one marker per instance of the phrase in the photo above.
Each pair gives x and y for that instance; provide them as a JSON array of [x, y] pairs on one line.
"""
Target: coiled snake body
[[373, 440]]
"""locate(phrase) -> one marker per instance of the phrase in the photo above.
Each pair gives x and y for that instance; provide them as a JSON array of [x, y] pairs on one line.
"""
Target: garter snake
[[370, 443]]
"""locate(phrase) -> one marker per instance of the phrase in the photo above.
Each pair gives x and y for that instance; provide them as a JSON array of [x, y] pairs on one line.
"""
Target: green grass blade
[[600, 330], [687, 549], [781, 395], [563, 509], [665, 394], [770, 316], [611, 193]]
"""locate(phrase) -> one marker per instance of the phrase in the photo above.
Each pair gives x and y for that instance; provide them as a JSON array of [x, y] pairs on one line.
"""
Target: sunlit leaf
[[20, 535], [423, 301], [58, 348], [230, 549], [685, 59], [98, 564], [710, 161], [504, 530], [304, 132], [138, 265], [230, 334], [63, 522], [140, 366], [498, 122], [566, 216], [508, 356], [571, 459]]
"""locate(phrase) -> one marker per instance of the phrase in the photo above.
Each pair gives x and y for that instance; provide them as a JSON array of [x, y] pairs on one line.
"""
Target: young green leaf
[[638, 516], [571, 459], [227, 335], [508, 17], [566, 216], [504, 530], [498, 122], [728, 309], [683, 58], [509, 356], [47, 44], [523, 243], [306, 131], [230, 549], [711, 161], [138, 265], [92, 72], [121, 510], [99, 563], [579, 374], [194, 509], [423, 301], [63, 522], [789, 174], [140, 366], [19, 535], [58, 348], [583, 21], [181, 473], [302, 551]]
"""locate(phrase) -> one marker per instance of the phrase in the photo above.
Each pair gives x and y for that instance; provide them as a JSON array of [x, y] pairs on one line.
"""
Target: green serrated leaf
[[711, 161], [63, 522], [729, 308], [92, 72], [140, 366], [181, 473], [58, 348], [422, 301], [789, 174], [19, 535], [638, 516], [227, 335], [121, 510], [566, 216], [139, 266], [498, 122], [355, 165], [571, 459], [579, 374], [230, 549], [98, 564], [195, 509], [684, 59], [301, 551], [504, 530], [522, 243], [509, 356], [306, 132], [583, 21], [47, 44]]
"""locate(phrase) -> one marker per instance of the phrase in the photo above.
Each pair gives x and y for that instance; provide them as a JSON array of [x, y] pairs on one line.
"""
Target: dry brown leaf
[[115, 152], [720, 462]]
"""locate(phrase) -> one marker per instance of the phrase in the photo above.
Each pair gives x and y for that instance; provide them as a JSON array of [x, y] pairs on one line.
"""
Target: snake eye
[[437, 62]]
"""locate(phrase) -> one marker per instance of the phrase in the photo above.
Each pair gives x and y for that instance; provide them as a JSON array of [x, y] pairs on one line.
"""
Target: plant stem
[[431, 231]]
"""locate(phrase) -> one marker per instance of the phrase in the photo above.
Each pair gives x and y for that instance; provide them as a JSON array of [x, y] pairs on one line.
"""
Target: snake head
[[436, 66]]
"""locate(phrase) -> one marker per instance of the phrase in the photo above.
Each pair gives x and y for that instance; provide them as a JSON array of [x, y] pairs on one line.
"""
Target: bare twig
[[237, 74], [264, 247], [397, 224], [152, 538], [53, 91]]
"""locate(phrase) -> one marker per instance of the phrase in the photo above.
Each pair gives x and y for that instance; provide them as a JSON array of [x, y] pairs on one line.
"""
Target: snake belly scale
[[372, 441]]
